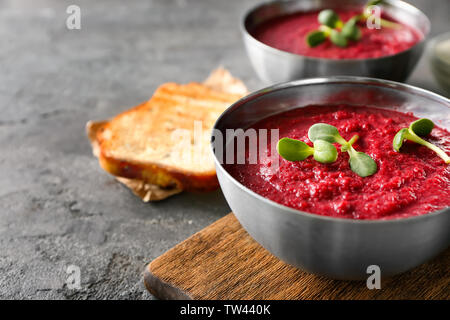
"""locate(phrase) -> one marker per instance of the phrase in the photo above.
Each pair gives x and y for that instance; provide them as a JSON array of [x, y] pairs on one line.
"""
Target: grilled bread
[[162, 146]]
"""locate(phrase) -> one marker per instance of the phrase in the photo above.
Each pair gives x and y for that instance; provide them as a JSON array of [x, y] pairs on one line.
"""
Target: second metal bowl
[[273, 65]]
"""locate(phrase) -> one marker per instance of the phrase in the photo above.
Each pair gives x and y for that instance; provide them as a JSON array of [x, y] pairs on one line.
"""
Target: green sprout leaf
[[399, 138], [328, 18], [389, 24], [326, 132], [338, 38], [350, 30], [374, 3], [316, 37], [362, 164], [421, 127], [294, 150], [324, 152]]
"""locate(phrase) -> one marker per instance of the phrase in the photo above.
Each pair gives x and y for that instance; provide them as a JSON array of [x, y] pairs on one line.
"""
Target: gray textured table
[[57, 207]]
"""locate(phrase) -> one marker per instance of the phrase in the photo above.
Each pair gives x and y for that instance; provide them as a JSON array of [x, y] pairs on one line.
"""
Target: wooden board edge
[[161, 289]]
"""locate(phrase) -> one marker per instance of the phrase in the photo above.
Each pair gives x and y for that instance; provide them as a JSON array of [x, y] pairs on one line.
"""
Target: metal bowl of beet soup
[[323, 217], [275, 33]]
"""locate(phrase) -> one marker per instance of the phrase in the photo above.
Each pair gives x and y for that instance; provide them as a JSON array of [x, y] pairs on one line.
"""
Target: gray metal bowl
[[335, 247], [273, 65]]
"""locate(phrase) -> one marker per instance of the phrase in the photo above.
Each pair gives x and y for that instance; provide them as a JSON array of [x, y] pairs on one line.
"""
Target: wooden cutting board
[[223, 262]]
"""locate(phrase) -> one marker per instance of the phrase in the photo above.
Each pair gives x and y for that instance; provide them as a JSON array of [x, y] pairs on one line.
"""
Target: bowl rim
[[263, 46], [322, 80]]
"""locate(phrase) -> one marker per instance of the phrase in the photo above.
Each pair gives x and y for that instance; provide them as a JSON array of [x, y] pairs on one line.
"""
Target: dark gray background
[[57, 207]]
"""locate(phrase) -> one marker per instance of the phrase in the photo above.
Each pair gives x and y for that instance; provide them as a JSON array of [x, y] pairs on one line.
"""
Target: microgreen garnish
[[373, 3], [422, 127], [360, 163], [323, 135], [326, 132], [350, 30], [324, 152], [338, 38], [338, 31], [417, 129], [329, 18], [316, 37], [296, 150]]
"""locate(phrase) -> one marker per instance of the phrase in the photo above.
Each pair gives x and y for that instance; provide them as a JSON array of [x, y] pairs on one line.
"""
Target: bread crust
[[165, 177]]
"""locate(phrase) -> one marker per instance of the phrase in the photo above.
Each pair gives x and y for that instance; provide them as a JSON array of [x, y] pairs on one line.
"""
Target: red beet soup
[[288, 33], [412, 182]]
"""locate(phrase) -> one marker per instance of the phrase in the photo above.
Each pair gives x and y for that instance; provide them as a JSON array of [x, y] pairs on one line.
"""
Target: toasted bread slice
[[166, 141]]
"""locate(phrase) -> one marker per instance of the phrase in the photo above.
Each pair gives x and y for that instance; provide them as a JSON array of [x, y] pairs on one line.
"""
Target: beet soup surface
[[412, 182], [288, 33]]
